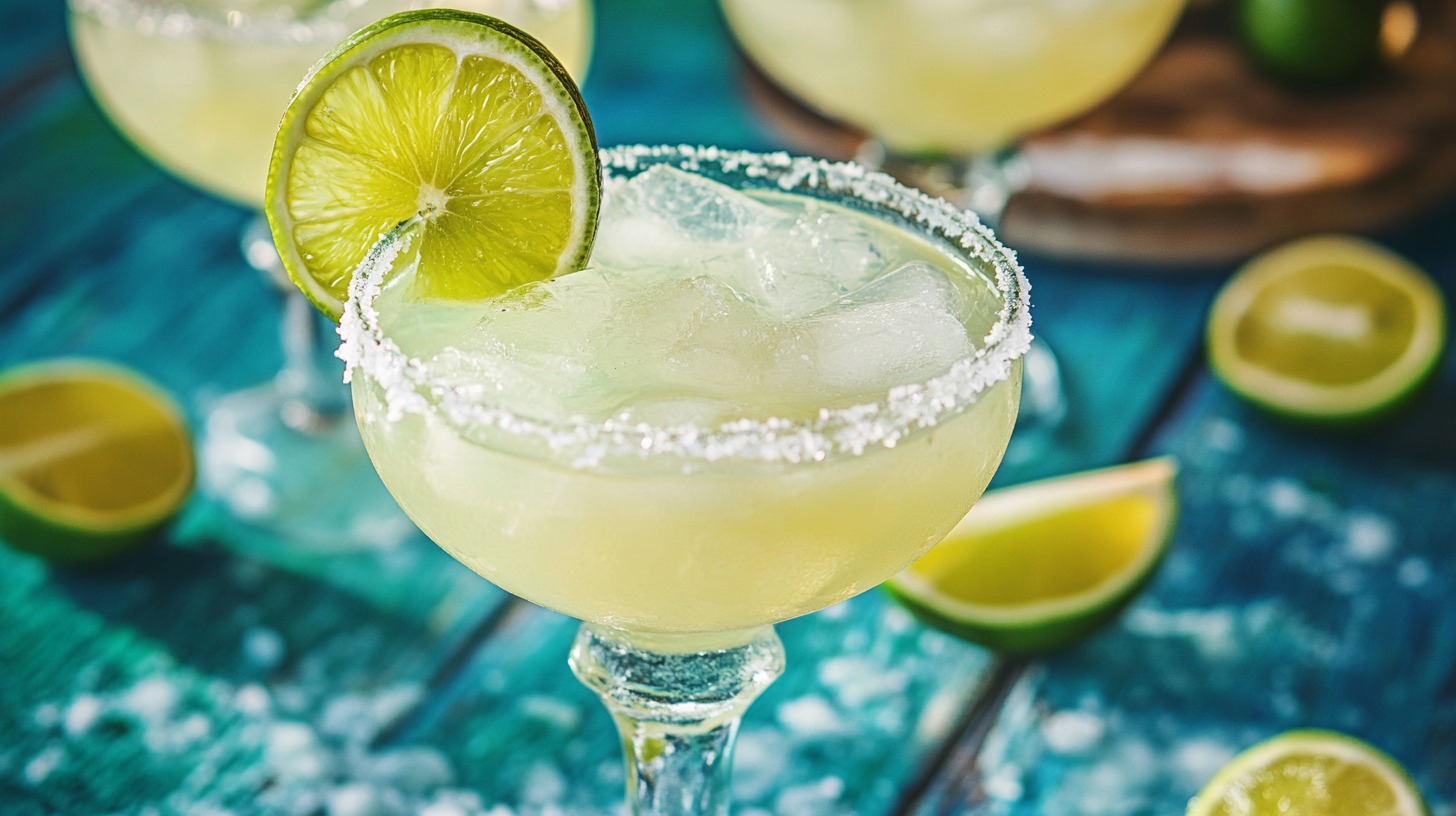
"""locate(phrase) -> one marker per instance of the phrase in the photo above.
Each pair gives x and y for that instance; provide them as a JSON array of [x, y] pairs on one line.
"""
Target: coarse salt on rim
[[408, 387]]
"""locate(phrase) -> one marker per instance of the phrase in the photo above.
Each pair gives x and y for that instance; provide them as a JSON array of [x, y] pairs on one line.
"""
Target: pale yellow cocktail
[[951, 76]]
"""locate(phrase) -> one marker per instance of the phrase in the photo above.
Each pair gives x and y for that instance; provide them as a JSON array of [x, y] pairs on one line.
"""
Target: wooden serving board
[[1202, 160]]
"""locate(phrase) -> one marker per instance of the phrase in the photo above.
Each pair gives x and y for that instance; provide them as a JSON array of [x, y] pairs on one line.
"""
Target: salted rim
[[322, 21], [409, 387]]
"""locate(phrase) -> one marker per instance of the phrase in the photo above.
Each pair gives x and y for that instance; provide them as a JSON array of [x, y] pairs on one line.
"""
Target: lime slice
[[1036, 566], [459, 118], [1310, 773], [1314, 43], [93, 460], [1329, 328]]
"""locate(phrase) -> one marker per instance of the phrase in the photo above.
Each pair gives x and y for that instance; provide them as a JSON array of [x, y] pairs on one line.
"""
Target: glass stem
[[677, 711], [982, 182], [314, 398]]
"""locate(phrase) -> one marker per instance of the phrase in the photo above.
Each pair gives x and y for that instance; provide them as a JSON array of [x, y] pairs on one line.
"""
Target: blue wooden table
[[1312, 581]]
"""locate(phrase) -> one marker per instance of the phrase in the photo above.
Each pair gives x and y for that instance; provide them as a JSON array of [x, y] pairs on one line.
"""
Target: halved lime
[[1330, 328], [456, 117], [1310, 773], [93, 459], [1036, 566]]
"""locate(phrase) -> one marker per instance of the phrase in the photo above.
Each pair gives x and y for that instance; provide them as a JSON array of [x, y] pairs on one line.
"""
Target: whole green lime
[[1313, 43]]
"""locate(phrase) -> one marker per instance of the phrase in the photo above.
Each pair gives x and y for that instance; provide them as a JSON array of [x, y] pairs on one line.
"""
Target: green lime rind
[[1332, 407], [1315, 44], [72, 536], [1045, 626], [1035, 635], [492, 259], [1409, 800]]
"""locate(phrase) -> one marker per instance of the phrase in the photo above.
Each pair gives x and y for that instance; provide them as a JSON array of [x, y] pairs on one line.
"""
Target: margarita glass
[[199, 87], [946, 88], [681, 462]]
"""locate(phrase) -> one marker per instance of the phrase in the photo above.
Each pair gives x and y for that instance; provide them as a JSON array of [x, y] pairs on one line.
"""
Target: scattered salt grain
[[81, 714], [1004, 784], [1369, 537], [43, 764], [293, 751], [810, 716], [415, 769], [345, 717], [559, 713], [394, 702], [810, 799], [1286, 498], [153, 700], [46, 715], [356, 799], [542, 784], [263, 649], [896, 621], [1072, 732], [1196, 760], [938, 716], [857, 680], [1223, 435], [1413, 573], [252, 700]]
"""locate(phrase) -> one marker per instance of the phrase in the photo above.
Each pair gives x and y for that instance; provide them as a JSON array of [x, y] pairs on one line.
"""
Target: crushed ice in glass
[[703, 305]]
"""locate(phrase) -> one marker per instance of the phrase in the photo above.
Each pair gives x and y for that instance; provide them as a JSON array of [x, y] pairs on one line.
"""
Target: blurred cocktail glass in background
[[199, 87], [945, 89]]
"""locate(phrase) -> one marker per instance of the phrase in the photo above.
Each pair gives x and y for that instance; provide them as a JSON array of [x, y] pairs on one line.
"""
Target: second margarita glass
[[946, 88], [199, 87]]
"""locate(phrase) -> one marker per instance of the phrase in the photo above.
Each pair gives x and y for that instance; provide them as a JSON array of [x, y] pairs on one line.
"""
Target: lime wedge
[[1329, 328], [459, 118], [1310, 773], [93, 460], [1036, 566]]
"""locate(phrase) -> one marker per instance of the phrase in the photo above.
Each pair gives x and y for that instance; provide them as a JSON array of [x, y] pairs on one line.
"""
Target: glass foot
[[298, 475]]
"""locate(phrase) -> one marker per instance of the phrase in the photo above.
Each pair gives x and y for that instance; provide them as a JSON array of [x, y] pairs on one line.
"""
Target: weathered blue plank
[[32, 43]]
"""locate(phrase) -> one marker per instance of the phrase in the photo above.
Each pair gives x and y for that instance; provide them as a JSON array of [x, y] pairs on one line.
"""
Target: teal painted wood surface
[[221, 672]]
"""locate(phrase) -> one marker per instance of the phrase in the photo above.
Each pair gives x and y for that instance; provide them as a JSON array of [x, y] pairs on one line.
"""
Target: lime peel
[[1049, 622]]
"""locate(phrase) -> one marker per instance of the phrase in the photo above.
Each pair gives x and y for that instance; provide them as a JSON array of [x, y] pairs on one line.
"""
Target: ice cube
[[555, 316], [692, 207], [859, 352], [844, 245], [692, 337]]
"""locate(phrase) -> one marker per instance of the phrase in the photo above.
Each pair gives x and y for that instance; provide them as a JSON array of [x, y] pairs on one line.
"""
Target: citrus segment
[[458, 118], [1036, 566], [1310, 773], [1332, 327], [92, 459]]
